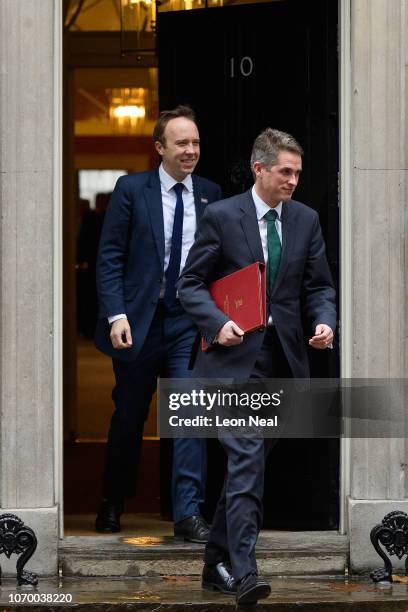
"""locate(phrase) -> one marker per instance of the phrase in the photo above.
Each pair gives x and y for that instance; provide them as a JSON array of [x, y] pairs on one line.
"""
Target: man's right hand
[[230, 334], [120, 334]]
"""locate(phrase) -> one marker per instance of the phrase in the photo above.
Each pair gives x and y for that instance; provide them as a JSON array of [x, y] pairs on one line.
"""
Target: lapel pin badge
[[204, 200]]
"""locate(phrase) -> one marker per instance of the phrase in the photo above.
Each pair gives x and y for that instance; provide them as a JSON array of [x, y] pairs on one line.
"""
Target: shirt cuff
[[116, 318]]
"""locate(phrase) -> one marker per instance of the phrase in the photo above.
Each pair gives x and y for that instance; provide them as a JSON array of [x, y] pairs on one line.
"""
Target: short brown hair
[[268, 145], [182, 110]]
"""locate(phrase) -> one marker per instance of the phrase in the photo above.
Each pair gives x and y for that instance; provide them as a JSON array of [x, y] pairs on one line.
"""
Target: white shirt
[[261, 209], [169, 199]]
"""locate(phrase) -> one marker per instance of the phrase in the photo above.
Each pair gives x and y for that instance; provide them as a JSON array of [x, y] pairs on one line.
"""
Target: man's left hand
[[323, 337]]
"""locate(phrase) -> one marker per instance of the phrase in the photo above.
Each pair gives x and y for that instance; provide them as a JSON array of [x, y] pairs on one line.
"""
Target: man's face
[[278, 183], [181, 148]]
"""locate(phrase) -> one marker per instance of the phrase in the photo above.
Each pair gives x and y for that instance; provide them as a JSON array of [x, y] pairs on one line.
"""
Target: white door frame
[[345, 235]]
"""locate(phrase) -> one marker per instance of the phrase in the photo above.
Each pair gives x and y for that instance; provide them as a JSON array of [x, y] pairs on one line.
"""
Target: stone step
[[179, 594], [278, 553]]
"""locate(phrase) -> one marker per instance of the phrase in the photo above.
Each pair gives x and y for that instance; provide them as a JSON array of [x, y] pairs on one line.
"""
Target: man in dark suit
[[263, 224], [148, 230]]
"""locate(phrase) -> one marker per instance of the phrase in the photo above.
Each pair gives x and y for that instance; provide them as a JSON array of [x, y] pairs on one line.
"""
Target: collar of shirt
[[262, 208], [168, 181]]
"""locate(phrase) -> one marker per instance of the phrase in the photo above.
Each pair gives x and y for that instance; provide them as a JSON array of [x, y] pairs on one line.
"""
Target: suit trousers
[[166, 352], [239, 513]]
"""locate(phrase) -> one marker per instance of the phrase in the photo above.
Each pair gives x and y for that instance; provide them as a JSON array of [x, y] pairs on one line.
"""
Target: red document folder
[[242, 297]]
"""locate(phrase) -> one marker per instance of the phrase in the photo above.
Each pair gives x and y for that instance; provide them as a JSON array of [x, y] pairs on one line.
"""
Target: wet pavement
[[181, 593]]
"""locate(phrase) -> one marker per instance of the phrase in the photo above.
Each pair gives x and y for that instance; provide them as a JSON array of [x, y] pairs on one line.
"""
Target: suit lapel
[[249, 222], [152, 195], [200, 198], [287, 242]]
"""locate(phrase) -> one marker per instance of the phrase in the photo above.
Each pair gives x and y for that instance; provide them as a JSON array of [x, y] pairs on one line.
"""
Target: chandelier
[[127, 107]]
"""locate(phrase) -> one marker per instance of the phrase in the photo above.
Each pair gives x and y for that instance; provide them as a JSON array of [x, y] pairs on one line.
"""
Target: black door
[[243, 68]]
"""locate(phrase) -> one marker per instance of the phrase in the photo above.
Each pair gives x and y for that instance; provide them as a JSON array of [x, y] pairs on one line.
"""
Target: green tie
[[274, 249]]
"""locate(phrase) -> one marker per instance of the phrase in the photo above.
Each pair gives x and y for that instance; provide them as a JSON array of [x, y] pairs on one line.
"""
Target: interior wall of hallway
[[26, 279], [378, 242]]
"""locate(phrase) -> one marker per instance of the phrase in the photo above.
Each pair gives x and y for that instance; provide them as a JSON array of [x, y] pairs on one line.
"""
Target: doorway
[[101, 142], [247, 66]]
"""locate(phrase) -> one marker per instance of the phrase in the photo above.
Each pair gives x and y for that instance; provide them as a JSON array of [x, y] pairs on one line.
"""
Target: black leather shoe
[[108, 517], [218, 578], [193, 529], [250, 589]]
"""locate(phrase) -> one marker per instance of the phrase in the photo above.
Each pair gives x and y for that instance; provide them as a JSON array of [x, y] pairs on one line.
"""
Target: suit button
[[159, 280]]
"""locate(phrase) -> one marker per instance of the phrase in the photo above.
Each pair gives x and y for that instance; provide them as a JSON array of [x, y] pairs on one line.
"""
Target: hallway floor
[[132, 524]]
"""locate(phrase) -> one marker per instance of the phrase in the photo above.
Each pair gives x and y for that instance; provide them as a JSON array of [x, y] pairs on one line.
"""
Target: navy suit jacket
[[130, 264], [228, 239]]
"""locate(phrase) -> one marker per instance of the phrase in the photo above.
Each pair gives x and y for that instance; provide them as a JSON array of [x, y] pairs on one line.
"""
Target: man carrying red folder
[[262, 225]]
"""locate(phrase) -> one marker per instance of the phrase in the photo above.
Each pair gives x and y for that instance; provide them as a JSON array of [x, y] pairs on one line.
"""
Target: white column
[[379, 246], [27, 479]]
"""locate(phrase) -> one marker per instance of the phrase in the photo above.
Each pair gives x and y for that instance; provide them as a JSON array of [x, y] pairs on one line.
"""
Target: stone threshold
[[278, 553]]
